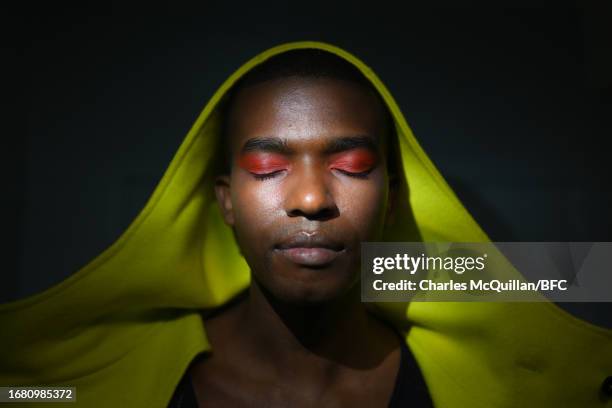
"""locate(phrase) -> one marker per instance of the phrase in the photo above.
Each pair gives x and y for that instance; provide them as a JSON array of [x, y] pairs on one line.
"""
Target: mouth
[[310, 256], [310, 249]]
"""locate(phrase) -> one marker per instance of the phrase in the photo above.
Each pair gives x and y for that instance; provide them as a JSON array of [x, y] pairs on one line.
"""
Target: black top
[[410, 389]]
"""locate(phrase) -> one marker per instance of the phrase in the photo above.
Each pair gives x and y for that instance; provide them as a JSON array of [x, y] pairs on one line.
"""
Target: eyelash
[[360, 175], [266, 176]]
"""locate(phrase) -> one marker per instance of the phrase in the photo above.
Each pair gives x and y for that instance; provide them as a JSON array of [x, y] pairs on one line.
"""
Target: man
[[309, 145], [283, 323]]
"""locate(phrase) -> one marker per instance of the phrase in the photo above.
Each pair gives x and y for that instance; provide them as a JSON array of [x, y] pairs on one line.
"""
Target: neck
[[313, 337]]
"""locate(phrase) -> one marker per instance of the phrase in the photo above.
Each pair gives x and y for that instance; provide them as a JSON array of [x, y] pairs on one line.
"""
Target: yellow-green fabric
[[124, 328]]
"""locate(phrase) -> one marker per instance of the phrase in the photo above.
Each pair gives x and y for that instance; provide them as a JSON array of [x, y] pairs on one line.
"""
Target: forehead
[[305, 112]]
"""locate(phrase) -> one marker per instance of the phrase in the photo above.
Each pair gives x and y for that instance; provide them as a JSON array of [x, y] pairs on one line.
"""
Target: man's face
[[308, 183]]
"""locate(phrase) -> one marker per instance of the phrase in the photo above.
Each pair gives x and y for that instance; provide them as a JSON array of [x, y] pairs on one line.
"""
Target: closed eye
[[361, 175], [263, 165], [355, 163], [265, 176]]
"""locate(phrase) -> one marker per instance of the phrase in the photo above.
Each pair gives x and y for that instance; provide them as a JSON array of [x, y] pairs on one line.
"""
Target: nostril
[[319, 215]]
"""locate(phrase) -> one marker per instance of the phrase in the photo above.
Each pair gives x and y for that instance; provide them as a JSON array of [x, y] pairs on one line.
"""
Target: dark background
[[513, 106]]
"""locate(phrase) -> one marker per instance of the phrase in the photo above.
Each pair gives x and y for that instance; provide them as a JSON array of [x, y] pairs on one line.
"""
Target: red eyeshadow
[[354, 161], [262, 163]]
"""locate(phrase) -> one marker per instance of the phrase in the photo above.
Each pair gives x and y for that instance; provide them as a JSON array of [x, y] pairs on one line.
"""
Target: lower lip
[[310, 256]]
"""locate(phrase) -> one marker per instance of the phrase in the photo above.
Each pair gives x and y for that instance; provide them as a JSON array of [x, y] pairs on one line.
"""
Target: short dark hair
[[306, 63]]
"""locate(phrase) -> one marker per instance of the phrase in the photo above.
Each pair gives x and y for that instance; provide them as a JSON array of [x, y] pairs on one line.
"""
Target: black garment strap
[[410, 388], [184, 394]]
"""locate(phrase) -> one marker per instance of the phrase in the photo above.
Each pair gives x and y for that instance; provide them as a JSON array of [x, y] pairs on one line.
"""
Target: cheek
[[255, 204], [364, 203]]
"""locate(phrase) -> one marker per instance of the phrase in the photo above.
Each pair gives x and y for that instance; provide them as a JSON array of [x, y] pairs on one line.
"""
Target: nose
[[309, 195]]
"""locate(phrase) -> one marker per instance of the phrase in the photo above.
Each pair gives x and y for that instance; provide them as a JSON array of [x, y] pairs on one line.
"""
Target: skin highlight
[[308, 183]]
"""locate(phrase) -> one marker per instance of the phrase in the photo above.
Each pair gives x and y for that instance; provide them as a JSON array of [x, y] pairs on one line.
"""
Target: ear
[[224, 198], [394, 185]]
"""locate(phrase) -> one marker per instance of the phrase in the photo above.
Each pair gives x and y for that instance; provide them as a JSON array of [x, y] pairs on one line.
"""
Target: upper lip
[[310, 240]]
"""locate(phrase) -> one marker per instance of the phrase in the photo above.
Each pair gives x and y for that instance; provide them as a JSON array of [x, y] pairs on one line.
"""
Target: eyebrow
[[278, 145], [267, 144], [351, 142]]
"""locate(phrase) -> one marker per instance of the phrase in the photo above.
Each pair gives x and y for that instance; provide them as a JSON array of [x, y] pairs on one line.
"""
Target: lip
[[310, 256], [310, 248]]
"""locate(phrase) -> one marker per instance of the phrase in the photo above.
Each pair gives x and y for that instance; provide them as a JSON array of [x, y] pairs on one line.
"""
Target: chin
[[308, 293]]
